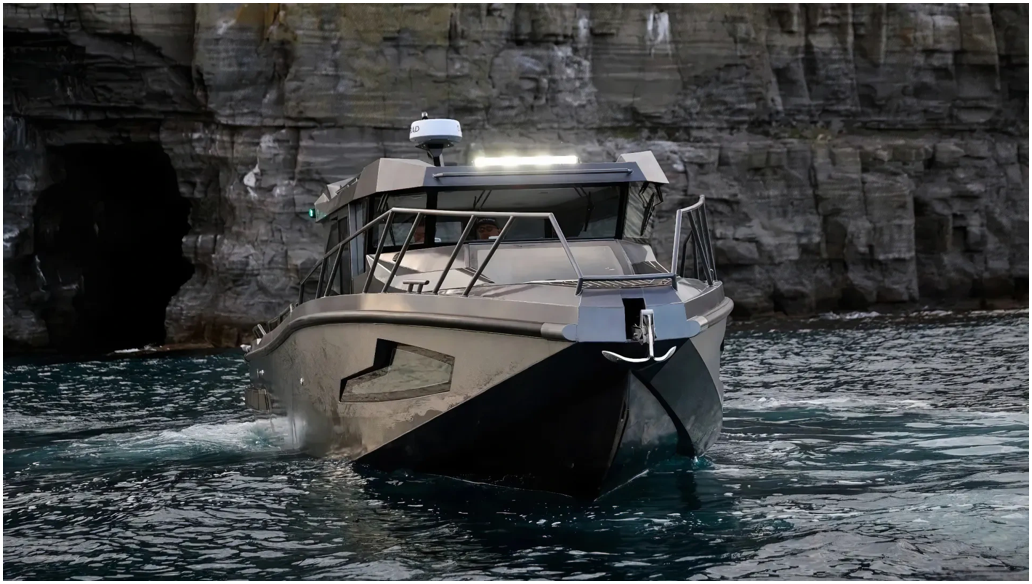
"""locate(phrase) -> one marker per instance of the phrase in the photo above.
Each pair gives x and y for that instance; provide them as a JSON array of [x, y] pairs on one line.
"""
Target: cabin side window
[[642, 200], [338, 232], [333, 237], [402, 223]]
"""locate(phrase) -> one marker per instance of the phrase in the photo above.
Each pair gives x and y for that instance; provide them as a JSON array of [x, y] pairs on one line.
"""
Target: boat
[[504, 322]]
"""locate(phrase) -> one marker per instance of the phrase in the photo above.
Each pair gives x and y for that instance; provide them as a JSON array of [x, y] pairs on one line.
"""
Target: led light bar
[[513, 161]]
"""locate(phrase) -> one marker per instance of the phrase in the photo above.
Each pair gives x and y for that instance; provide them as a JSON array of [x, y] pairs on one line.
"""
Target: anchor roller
[[647, 334]]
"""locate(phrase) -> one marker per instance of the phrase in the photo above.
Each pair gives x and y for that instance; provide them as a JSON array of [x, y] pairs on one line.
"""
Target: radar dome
[[436, 133]]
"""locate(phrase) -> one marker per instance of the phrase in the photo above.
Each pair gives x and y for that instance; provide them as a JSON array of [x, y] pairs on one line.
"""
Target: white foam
[[258, 434], [252, 436], [847, 315], [144, 348], [840, 402]]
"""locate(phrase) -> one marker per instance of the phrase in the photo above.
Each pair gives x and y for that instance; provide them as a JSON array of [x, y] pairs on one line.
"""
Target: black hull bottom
[[574, 424]]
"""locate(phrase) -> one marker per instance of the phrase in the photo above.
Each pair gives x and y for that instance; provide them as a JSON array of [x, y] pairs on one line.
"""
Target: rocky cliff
[[850, 154]]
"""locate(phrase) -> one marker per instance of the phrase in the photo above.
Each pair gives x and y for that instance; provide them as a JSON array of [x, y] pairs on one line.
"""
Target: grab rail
[[698, 235], [702, 245], [471, 216]]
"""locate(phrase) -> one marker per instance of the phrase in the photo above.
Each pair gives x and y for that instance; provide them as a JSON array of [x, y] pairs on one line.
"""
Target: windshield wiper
[[587, 214], [481, 201], [649, 206]]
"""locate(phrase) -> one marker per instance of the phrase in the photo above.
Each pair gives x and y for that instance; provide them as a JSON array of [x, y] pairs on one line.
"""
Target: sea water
[[861, 447]]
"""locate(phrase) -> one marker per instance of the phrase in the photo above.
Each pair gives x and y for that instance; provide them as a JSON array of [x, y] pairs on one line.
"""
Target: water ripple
[[864, 447]]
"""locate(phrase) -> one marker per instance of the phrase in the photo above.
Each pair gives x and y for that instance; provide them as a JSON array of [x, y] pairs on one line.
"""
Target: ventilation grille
[[612, 284]]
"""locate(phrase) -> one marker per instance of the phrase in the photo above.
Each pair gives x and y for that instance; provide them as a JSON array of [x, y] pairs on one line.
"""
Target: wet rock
[[850, 154]]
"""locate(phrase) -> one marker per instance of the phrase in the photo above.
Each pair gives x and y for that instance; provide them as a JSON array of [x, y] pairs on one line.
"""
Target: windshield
[[583, 212]]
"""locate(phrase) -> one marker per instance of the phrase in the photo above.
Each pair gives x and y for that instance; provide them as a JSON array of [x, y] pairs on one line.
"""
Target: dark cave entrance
[[109, 244]]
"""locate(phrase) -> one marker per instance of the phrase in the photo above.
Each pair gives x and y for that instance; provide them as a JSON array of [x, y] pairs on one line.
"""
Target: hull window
[[399, 372]]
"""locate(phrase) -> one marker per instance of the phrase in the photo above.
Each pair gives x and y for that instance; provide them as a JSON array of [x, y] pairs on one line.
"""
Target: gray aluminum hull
[[493, 390]]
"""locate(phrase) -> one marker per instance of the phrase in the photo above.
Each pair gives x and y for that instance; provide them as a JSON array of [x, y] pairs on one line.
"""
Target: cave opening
[[109, 246]]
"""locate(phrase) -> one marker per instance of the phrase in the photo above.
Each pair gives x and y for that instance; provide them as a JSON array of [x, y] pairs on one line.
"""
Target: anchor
[[646, 332]]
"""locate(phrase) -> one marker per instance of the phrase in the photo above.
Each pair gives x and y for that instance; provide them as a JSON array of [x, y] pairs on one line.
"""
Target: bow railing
[[330, 267], [326, 279], [704, 265]]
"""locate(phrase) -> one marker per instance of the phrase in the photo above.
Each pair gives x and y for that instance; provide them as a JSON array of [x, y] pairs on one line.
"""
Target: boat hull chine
[[515, 410], [575, 423], [553, 427]]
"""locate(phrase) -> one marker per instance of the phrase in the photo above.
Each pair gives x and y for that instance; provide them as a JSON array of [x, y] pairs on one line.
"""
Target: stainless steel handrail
[[699, 236], [472, 216], [702, 250], [388, 217], [337, 248]]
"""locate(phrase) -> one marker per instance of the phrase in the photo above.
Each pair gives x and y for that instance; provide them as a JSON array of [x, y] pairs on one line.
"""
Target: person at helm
[[420, 233], [486, 228]]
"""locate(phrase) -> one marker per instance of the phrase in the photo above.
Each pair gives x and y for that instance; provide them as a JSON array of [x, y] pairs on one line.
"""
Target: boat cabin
[[600, 213]]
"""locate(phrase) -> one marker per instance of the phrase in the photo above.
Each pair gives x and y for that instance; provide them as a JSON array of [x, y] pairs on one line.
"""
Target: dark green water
[[867, 448]]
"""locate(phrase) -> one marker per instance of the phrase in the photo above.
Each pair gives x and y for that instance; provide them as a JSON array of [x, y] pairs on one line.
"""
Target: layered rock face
[[850, 154]]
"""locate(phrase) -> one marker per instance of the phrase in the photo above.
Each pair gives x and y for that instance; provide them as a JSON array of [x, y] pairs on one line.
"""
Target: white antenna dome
[[438, 133]]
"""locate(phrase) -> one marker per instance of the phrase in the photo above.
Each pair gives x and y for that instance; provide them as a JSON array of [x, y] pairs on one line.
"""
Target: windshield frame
[[430, 221]]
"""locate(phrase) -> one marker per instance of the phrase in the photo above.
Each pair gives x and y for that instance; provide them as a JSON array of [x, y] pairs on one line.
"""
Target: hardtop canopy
[[396, 174]]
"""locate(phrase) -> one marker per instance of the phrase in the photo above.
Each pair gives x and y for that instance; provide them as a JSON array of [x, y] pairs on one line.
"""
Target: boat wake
[[250, 436], [132, 447]]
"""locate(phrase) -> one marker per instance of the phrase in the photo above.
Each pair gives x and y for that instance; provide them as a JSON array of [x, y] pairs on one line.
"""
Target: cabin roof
[[398, 174]]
